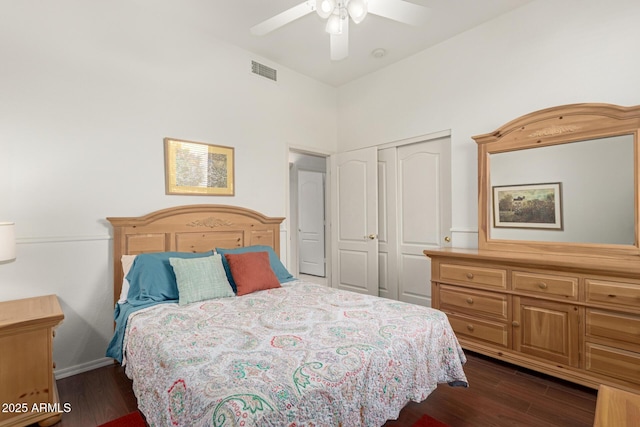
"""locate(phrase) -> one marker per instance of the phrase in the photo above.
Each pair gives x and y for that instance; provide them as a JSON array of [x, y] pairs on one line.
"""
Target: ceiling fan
[[338, 13]]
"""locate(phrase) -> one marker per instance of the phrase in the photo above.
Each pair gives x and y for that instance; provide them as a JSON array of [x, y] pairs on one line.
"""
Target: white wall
[[88, 91], [547, 53]]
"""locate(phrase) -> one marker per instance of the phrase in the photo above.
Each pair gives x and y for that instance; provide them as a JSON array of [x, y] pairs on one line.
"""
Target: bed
[[275, 351]]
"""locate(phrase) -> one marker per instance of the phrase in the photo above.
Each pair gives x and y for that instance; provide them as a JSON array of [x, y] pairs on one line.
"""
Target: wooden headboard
[[191, 228]]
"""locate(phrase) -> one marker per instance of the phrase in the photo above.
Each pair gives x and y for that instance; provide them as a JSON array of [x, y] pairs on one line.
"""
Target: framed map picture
[[528, 206], [197, 168]]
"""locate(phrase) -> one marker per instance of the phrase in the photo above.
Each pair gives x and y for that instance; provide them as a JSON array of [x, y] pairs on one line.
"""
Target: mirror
[[596, 197], [562, 180]]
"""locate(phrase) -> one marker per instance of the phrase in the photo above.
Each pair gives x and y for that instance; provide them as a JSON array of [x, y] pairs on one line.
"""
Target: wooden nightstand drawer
[[616, 326], [27, 386], [613, 362], [26, 373], [493, 332], [618, 293], [490, 277], [545, 284], [473, 302]]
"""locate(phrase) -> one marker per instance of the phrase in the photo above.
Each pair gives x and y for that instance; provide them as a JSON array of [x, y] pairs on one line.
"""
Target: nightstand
[[617, 408], [28, 392]]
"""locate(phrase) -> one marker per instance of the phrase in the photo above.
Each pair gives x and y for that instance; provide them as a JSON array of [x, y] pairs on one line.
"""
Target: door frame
[[290, 223]]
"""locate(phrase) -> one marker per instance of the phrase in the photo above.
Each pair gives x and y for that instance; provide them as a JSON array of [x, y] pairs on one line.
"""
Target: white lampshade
[[325, 8], [357, 10], [7, 241], [334, 25]]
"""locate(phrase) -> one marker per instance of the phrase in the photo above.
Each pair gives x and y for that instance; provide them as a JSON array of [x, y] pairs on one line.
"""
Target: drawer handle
[[469, 300], [515, 324], [470, 328], [469, 276], [542, 285]]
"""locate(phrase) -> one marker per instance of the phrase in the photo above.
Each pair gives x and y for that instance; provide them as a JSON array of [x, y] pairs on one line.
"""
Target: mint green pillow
[[200, 279]]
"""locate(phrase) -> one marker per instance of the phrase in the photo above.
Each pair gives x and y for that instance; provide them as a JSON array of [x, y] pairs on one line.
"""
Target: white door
[[311, 223], [424, 213], [387, 223], [355, 220]]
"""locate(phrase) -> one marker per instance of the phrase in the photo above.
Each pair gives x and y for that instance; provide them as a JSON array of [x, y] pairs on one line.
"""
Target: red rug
[[427, 421], [133, 419]]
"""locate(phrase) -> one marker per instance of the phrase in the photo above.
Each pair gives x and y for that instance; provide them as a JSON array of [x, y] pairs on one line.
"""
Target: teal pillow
[[200, 279], [280, 270], [151, 277]]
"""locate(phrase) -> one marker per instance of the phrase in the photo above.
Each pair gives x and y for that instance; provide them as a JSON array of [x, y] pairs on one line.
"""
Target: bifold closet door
[[424, 216], [354, 212], [388, 222], [415, 214]]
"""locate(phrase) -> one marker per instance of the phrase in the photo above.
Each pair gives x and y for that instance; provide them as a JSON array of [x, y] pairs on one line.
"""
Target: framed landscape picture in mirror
[[528, 206], [197, 168]]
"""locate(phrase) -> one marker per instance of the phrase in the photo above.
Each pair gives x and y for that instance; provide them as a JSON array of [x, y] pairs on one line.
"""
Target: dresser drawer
[[616, 326], [479, 330], [491, 277], [613, 362], [618, 293], [473, 302], [545, 284]]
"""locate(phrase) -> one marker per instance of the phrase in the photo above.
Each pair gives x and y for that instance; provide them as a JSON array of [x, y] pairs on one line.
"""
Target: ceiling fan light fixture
[[325, 8], [334, 25], [338, 13], [357, 10]]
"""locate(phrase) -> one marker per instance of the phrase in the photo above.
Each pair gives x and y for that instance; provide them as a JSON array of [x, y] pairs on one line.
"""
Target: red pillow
[[252, 272]]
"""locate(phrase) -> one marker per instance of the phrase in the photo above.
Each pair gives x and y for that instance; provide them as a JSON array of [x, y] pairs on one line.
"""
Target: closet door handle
[[371, 236]]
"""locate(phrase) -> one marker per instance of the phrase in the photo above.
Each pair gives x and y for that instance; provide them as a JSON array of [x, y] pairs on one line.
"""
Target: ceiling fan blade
[[283, 18], [340, 43], [400, 10]]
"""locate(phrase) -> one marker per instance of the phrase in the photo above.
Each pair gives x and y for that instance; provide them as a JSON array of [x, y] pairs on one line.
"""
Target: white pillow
[[127, 262]]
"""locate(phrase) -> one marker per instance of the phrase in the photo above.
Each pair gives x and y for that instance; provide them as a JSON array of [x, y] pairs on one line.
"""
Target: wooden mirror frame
[[554, 126]]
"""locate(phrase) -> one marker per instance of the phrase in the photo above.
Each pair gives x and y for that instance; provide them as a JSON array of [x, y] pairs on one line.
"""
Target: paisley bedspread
[[300, 355]]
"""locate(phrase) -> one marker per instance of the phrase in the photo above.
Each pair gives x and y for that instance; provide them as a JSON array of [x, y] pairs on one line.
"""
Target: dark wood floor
[[499, 395]]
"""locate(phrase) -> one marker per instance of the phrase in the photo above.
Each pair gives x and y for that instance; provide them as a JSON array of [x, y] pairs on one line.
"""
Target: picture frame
[[198, 168], [528, 206]]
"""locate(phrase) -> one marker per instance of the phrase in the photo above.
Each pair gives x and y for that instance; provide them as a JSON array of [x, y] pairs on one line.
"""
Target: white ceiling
[[303, 45]]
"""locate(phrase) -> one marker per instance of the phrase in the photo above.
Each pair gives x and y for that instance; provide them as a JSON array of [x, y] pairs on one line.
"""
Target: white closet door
[[388, 223], [424, 213], [355, 220]]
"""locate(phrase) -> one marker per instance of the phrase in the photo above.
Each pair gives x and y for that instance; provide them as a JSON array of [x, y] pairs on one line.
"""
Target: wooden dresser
[[573, 317], [28, 392], [554, 285]]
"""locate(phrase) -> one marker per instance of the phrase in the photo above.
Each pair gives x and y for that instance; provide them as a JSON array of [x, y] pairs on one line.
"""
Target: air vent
[[264, 71]]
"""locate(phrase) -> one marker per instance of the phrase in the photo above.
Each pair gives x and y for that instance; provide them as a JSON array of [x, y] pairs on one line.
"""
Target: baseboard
[[83, 367]]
